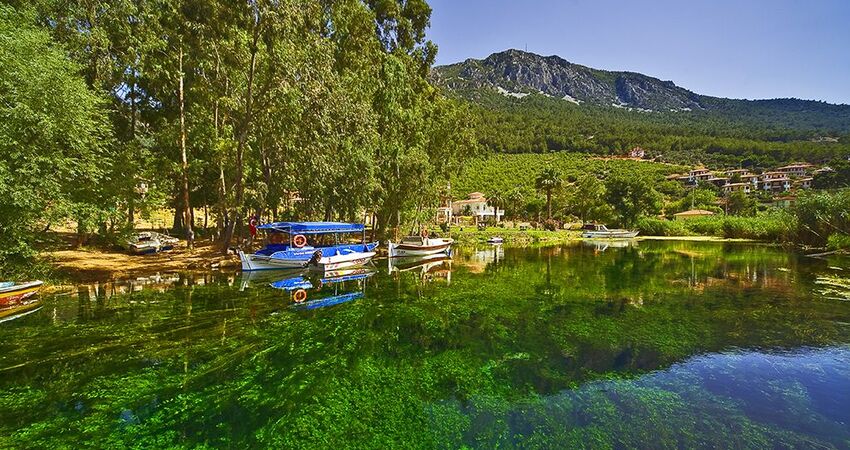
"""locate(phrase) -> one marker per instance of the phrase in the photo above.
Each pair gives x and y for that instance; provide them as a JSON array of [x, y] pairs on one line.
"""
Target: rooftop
[[695, 212]]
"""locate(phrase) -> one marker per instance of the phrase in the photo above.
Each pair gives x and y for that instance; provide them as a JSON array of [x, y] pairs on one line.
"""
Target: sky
[[738, 49]]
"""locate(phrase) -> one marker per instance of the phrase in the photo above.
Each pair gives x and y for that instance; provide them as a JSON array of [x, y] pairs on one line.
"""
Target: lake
[[656, 344]]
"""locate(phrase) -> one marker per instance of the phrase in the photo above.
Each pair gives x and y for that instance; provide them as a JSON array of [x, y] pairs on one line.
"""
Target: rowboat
[[148, 242], [289, 248], [12, 293], [598, 231], [419, 246]]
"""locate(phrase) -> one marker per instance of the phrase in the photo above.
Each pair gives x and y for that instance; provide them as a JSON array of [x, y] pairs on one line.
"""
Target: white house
[[476, 205]]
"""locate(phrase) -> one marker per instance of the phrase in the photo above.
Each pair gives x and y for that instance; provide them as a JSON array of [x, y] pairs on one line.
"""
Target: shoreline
[[99, 265]]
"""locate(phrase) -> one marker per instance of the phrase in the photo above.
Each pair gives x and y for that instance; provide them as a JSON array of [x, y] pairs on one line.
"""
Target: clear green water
[[662, 345]]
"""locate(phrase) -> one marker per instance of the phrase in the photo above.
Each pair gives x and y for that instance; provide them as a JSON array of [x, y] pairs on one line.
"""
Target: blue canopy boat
[[289, 247]]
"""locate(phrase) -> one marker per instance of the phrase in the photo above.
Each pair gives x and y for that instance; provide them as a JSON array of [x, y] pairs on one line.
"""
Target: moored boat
[[288, 247], [12, 293], [495, 240], [419, 246], [599, 231]]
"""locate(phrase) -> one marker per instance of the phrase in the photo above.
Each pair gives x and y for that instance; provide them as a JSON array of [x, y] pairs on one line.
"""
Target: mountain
[[514, 73]]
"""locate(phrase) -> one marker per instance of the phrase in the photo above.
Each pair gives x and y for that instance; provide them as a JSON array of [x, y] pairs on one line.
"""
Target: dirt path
[[101, 265]]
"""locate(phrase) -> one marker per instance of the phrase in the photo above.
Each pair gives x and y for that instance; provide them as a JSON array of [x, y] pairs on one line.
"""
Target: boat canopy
[[313, 227]]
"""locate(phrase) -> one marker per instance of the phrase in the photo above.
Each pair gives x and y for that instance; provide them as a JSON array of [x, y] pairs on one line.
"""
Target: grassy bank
[[470, 235], [774, 227]]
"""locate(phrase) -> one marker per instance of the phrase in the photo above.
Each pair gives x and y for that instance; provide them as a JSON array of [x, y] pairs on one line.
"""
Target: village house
[[803, 183], [735, 187], [717, 181], [732, 172], [775, 184], [637, 153], [752, 179], [697, 175], [795, 170], [475, 205]]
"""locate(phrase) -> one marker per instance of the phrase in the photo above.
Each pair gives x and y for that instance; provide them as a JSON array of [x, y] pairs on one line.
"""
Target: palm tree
[[547, 181], [496, 201]]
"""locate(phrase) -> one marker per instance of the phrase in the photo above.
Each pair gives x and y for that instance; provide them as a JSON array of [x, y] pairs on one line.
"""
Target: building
[[697, 175], [732, 172], [692, 214], [476, 205], [735, 187], [803, 183], [717, 181], [774, 184], [637, 153], [795, 170]]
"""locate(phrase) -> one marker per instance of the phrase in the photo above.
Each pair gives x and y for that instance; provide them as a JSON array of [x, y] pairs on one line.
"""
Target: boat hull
[[252, 262], [18, 293], [336, 262], [401, 250], [610, 234]]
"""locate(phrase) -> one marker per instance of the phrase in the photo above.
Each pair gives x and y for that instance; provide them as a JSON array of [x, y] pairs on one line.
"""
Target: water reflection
[[662, 344]]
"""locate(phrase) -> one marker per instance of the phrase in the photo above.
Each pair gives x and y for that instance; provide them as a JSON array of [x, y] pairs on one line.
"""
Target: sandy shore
[[101, 265]]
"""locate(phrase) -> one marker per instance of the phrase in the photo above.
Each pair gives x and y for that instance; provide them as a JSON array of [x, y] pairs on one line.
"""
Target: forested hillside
[[536, 104]]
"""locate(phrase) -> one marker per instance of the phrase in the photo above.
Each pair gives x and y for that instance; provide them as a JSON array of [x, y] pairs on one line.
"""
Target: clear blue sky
[[727, 48]]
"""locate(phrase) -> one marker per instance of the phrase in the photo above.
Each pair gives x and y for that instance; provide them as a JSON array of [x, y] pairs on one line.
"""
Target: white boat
[[419, 246], [299, 254], [597, 231], [148, 242], [495, 240]]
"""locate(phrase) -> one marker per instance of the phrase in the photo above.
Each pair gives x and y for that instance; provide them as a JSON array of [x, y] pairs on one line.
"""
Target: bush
[[776, 226], [838, 241]]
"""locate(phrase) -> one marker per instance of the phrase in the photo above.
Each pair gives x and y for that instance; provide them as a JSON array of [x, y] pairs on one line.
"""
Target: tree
[[547, 181], [631, 197], [497, 201], [741, 204], [54, 149], [587, 199], [514, 202]]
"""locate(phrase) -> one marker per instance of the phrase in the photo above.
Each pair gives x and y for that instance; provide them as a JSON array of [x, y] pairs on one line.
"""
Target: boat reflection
[[342, 285], [19, 309], [600, 245], [429, 268]]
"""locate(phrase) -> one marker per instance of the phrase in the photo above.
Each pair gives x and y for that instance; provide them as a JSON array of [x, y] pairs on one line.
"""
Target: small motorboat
[[495, 240], [148, 242], [12, 293], [419, 246], [288, 247], [599, 231], [16, 299]]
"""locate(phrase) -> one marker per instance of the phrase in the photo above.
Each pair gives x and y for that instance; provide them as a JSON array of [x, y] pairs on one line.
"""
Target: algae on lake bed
[[662, 344]]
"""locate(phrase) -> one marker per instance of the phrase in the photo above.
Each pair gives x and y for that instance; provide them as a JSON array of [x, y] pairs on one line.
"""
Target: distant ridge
[[515, 73]]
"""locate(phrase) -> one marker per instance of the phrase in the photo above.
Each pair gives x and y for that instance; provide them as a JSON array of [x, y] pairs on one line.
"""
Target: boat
[[419, 246], [599, 231], [12, 293], [495, 240], [148, 242], [289, 248], [17, 299]]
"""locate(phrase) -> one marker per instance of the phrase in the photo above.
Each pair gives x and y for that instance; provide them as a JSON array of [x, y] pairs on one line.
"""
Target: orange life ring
[[299, 240], [300, 295]]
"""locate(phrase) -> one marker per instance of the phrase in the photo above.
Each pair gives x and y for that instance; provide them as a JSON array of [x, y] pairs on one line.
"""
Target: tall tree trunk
[[187, 207], [242, 138], [131, 198]]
